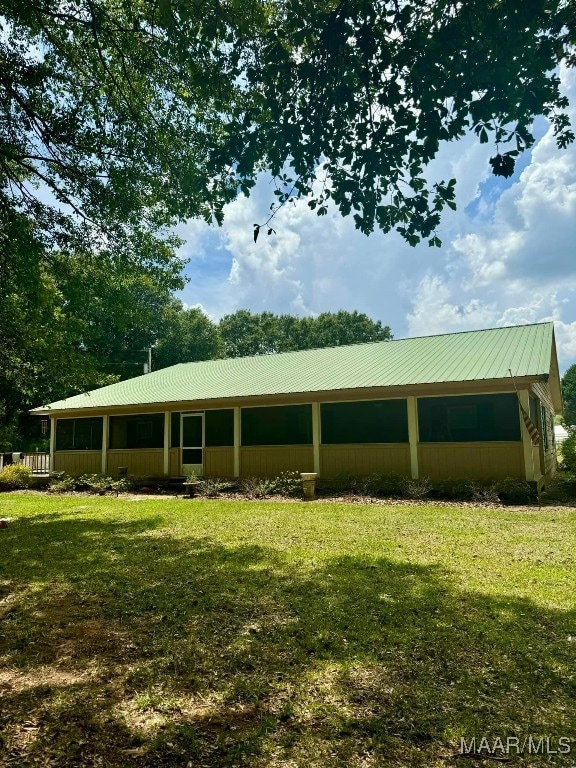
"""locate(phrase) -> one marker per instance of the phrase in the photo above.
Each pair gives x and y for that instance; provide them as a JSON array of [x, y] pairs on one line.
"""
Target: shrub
[[288, 483], [514, 491], [256, 487], [562, 488], [379, 484], [101, 484], [212, 486], [15, 476], [416, 489], [456, 489], [60, 482], [485, 493], [568, 449]]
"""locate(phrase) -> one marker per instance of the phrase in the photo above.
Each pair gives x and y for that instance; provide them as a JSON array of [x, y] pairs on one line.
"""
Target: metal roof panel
[[466, 356]]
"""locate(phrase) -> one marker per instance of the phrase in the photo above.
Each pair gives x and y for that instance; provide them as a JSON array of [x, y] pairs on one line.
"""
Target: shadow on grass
[[123, 646]]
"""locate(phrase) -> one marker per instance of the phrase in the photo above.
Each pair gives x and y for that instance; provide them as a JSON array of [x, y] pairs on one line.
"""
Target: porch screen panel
[[79, 434], [142, 431], [372, 421], [277, 425], [175, 430], [468, 418], [219, 427]]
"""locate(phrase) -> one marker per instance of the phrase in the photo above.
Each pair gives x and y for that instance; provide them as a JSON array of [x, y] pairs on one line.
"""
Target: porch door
[[192, 443]]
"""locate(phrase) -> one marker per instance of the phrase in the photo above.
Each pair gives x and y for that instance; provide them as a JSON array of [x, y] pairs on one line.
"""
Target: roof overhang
[[482, 386]]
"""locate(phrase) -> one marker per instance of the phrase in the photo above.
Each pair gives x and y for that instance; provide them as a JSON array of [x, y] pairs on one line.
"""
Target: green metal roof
[[455, 357]]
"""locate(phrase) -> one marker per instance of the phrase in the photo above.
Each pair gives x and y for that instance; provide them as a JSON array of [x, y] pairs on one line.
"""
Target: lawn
[[177, 632]]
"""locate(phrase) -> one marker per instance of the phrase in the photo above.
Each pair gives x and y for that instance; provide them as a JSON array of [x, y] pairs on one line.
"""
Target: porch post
[[530, 474], [52, 442], [316, 436], [167, 424], [105, 422], [236, 442], [412, 404]]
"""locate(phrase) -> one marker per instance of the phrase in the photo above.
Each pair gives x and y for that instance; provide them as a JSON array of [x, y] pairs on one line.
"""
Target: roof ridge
[[364, 343]]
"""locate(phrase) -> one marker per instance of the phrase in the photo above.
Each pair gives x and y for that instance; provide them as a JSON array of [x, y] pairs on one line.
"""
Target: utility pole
[[148, 365]]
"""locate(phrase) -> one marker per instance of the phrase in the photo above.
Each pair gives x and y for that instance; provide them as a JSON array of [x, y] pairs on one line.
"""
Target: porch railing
[[38, 462]]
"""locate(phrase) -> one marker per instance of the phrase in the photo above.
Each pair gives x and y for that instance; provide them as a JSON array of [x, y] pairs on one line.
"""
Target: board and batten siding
[[471, 461], [219, 462], [140, 462], [78, 463], [174, 462], [364, 459], [271, 460]]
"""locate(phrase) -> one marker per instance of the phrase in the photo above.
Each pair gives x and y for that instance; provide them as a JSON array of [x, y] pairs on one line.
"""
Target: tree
[[333, 329], [138, 114], [71, 321], [185, 335], [244, 333], [569, 395]]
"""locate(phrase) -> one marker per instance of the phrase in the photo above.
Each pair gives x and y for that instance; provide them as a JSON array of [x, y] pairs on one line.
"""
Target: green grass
[[179, 632]]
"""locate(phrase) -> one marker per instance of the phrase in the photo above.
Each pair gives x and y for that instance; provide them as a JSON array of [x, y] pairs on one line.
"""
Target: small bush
[[60, 482], [257, 487], [101, 484], [15, 476], [416, 489], [454, 489], [568, 449], [288, 483], [379, 484], [131, 483], [485, 493], [561, 489], [212, 486], [514, 491]]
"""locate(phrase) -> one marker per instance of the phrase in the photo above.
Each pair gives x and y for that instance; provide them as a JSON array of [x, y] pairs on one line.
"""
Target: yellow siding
[[147, 462], [78, 463], [364, 459], [269, 461], [219, 462], [174, 468], [474, 461]]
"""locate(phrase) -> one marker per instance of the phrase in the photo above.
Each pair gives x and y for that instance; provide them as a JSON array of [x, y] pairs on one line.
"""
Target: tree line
[[102, 331]]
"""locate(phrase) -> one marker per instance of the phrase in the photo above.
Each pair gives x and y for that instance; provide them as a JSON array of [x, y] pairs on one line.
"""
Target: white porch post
[[105, 422], [52, 442], [524, 397], [412, 404], [316, 436], [236, 442], [167, 425]]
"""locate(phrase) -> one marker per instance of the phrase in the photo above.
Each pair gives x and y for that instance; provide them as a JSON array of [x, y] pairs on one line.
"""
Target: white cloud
[[508, 254], [530, 238]]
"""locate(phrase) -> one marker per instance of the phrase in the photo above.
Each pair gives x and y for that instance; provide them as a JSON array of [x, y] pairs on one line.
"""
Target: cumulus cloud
[[530, 238], [508, 254]]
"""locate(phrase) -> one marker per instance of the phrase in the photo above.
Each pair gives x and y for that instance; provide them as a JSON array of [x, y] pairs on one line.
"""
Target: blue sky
[[508, 253]]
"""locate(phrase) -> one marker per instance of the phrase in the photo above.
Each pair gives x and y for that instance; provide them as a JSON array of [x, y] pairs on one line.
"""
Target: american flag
[[530, 426]]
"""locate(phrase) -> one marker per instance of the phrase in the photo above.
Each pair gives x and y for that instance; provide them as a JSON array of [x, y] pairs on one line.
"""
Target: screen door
[[192, 443]]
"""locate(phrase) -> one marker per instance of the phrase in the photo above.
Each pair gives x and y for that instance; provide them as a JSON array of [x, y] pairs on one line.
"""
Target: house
[[460, 405]]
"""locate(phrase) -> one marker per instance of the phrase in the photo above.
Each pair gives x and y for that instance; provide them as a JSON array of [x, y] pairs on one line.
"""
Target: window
[[278, 425], [369, 421], [142, 431], [544, 431], [469, 418], [219, 427], [79, 434]]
